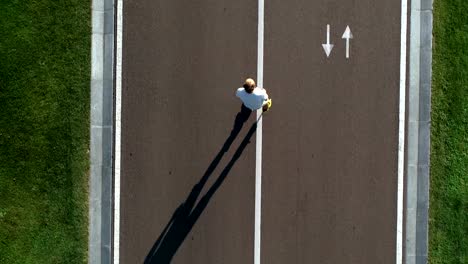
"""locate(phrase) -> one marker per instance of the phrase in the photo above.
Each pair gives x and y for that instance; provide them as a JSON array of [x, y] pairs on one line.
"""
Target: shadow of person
[[186, 215]]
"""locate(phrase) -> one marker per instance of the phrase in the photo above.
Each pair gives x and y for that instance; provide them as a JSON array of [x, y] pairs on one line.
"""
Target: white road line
[[118, 122], [401, 132], [258, 162]]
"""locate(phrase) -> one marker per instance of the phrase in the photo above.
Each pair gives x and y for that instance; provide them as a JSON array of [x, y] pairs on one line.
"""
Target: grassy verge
[[449, 158], [44, 130]]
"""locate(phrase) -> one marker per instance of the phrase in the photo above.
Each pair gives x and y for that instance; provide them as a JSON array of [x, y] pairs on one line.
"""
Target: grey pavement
[[419, 121], [101, 131]]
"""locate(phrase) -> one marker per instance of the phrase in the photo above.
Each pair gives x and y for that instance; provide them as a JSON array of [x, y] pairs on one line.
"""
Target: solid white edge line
[[258, 160], [118, 116], [401, 132]]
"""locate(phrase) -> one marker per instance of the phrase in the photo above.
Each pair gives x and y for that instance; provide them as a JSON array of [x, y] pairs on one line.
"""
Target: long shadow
[[186, 215]]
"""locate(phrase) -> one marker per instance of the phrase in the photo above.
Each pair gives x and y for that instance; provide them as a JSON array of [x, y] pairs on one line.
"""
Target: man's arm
[[265, 94], [239, 90]]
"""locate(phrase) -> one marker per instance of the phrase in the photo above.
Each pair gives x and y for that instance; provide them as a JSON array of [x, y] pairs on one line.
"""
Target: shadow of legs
[[184, 218]]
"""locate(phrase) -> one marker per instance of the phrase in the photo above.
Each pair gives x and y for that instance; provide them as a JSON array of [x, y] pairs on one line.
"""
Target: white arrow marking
[[347, 35], [328, 47]]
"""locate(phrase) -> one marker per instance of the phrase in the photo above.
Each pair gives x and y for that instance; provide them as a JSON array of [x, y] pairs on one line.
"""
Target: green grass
[[448, 224], [44, 130]]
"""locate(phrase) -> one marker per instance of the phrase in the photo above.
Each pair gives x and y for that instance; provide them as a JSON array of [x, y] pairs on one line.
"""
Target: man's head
[[249, 85]]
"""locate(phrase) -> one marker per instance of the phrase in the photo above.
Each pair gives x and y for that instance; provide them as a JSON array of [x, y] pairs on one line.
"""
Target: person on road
[[253, 97]]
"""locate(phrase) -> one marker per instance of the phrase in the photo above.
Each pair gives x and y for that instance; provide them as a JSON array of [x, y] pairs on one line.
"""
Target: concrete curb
[[101, 130], [419, 121]]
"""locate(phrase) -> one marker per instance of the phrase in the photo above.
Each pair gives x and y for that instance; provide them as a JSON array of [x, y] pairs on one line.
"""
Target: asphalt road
[[329, 143], [182, 62]]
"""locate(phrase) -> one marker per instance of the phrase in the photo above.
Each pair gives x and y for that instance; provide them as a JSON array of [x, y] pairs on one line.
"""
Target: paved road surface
[[329, 143], [182, 62]]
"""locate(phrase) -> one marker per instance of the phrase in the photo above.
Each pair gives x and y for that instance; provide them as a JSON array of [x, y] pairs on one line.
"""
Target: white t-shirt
[[253, 100]]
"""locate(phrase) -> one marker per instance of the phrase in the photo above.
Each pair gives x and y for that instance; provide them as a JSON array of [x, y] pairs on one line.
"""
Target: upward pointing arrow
[[347, 35], [328, 47]]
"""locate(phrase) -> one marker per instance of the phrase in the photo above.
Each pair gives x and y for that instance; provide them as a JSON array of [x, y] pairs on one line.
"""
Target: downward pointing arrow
[[347, 35], [328, 47]]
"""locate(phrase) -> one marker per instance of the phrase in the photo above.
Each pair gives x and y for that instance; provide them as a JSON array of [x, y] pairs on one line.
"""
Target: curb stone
[[101, 131], [419, 122]]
